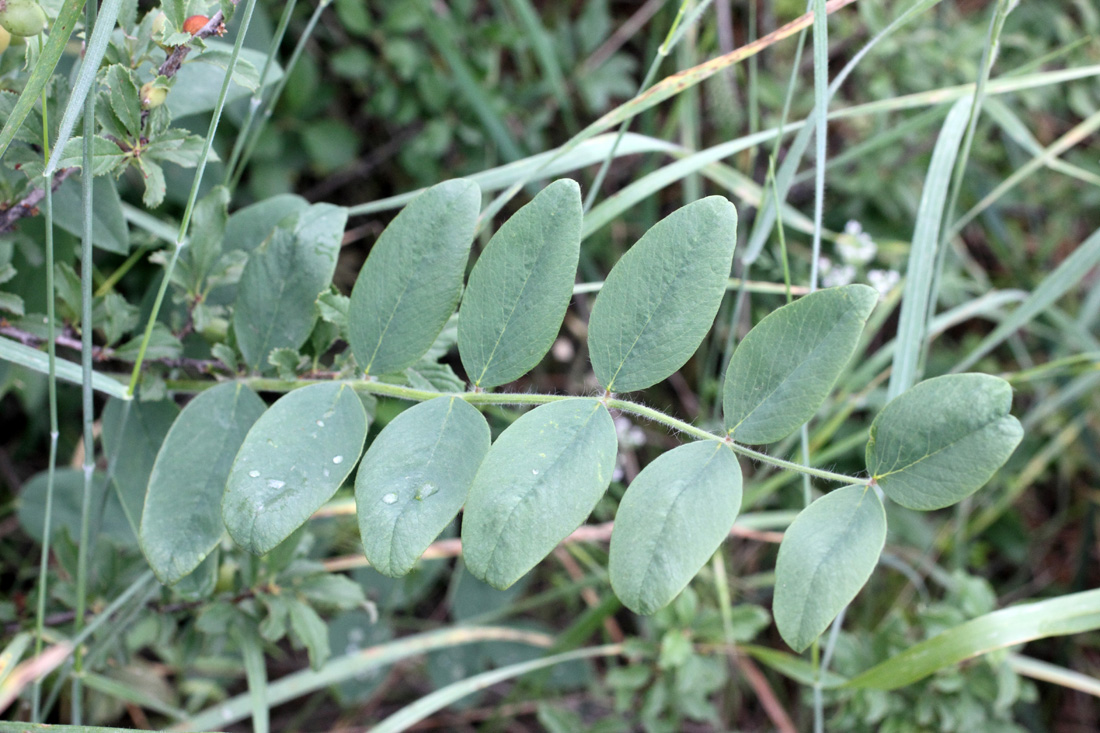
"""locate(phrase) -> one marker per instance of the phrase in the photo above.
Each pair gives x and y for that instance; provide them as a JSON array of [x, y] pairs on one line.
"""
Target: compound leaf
[[673, 517], [660, 299], [292, 461], [520, 287], [941, 440], [412, 280], [182, 520], [538, 483], [826, 556], [787, 364], [414, 479]]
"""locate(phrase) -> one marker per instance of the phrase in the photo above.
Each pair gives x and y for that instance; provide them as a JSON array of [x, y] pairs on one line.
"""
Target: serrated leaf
[[281, 281], [660, 299], [826, 556], [539, 482], [414, 479], [411, 282], [292, 461], [123, 97], [673, 517], [310, 630], [787, 364], [182, 521], [520, 288], [941, 440]]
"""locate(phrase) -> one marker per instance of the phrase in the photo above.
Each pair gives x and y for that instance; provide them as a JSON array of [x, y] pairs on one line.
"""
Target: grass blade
[[38, 361]]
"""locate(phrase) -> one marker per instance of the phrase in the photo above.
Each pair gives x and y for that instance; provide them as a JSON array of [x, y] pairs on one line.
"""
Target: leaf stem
[[386, 389]]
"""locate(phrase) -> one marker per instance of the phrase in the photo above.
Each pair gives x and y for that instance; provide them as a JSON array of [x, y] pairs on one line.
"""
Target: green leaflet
[[109, 229], [274, 307], [68, 503], [826, 556], [414, 479], [292, 461], [673, 517], [660, 299], [133, 433], [539, 482], [412, 280], [520, 287], [182, 522], [941, 440], [787, 364]]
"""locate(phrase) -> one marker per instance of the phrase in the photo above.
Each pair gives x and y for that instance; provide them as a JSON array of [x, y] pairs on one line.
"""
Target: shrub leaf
[[660, 299], [283, 276], [787, 364], [520, 287], [941, 440], [414, 479], [539, 482], [673, 517], [182, 521], [412, 280], [292, 461], [826, 556]]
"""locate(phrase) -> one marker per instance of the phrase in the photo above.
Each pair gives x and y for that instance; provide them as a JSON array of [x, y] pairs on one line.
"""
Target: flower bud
[[153, 95], [22, 17]]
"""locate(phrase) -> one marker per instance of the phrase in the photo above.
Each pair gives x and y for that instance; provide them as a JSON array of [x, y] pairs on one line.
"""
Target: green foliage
[[660, 299], [287, 330]]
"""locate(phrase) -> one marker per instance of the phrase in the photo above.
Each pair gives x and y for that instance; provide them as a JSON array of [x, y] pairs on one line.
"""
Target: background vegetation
[[382, 98]]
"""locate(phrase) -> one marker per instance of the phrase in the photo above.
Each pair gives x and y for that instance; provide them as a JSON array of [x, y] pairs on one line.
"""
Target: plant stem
[[87, 181], [386, 389], [181, 237]]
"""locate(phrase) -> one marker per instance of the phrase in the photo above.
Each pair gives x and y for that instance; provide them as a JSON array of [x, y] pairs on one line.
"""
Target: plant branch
[[29, 205], [375, 387]]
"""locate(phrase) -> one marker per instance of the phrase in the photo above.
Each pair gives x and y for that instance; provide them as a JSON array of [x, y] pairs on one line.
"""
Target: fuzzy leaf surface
[[943, 439], [182, 521], [414, 479], [826, 556], [660, 299], [673, 517], [520, 287], [412, 279], [292, 461], [787, 364], [539, 482]]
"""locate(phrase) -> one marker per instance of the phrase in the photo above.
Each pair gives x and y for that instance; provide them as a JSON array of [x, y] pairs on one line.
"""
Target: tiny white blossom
[[883, 280], [838, 276], [856, 246]]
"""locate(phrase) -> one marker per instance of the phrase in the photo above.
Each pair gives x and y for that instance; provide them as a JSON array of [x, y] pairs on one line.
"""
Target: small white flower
[[883, 280], [838, 276], [856, 246]]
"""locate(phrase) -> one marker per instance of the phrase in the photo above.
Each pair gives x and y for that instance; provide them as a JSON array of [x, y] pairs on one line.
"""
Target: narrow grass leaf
[[788, 363], [538, 483], [35, 360], [826, 556], [520, 288], [1065, 277], [414, 478], [660, 299], [942, 440], [182, 521], [283, 276], [292, 461], [409, 715], [919, 273], [1075, 613], [412, 280], [671, 520]]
